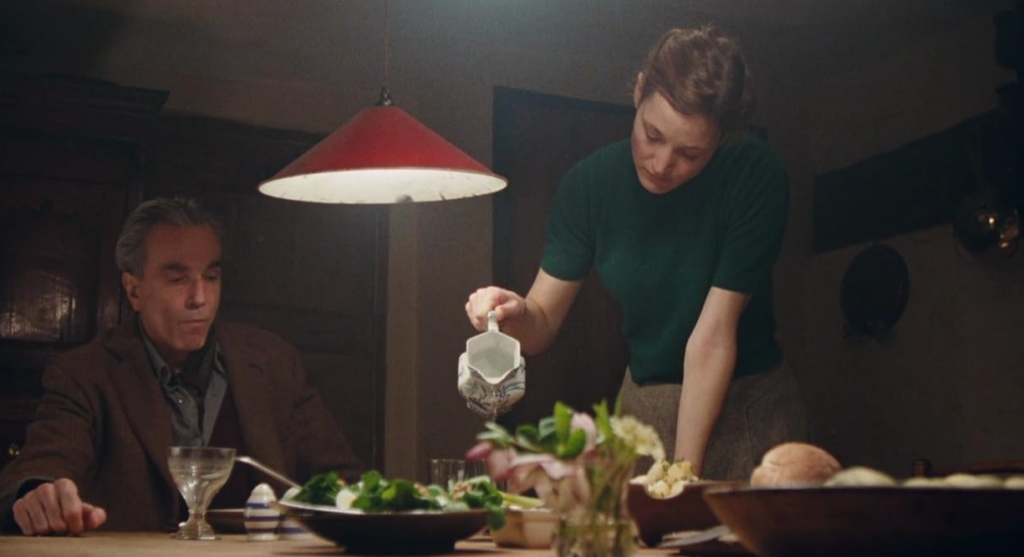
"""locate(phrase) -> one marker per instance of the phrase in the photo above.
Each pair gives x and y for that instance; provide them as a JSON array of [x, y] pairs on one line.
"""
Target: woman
[[683, 223]]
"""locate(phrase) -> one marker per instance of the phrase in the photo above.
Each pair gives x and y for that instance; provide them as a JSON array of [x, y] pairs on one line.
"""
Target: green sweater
[[659, 255]]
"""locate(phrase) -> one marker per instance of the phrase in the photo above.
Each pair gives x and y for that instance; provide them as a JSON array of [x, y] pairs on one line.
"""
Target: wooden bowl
[[687, 511], [876, 521]]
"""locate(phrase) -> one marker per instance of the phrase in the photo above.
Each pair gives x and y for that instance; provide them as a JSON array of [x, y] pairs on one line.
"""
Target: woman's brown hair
[[701, 71]]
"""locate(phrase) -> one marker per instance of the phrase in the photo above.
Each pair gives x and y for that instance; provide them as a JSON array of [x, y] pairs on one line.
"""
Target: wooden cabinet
[[65, 182], [77, 155]]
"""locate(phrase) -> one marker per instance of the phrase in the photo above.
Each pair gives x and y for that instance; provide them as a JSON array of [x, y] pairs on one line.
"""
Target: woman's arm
[[534, 320], [708, 367]]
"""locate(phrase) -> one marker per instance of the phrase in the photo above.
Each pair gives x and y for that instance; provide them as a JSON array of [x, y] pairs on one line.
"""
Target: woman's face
[[669, 147]]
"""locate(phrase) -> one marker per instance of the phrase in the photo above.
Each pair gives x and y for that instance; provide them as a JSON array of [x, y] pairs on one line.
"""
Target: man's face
[[178, 292]]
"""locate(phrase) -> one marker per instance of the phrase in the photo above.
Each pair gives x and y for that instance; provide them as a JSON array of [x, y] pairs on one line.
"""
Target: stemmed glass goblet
[[199, 473]]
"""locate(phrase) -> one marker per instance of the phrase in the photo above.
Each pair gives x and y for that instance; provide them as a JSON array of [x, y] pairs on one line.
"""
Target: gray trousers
[[759, 412]]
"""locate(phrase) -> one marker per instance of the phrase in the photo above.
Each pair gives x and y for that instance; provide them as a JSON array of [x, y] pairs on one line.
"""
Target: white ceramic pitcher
[[492, 371]]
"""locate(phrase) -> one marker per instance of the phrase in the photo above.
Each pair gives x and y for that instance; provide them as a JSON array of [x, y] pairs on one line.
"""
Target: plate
[[876, 521], [415, 532], [713, 542], [655, 517], [227, 521]]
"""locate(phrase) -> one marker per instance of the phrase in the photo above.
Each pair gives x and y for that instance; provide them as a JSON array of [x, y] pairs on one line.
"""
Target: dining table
[[159, 544]]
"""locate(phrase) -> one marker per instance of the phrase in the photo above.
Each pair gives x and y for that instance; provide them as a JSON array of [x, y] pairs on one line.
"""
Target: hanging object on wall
[[875, 290], [987, 226]]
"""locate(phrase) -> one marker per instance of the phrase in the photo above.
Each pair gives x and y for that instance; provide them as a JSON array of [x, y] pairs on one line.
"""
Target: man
[[97, 451]]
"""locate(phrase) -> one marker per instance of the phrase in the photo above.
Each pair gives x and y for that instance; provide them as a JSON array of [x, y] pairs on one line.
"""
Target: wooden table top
[[118, 544]]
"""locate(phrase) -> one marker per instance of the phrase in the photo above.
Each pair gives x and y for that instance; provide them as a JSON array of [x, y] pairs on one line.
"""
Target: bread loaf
[[793, 464]]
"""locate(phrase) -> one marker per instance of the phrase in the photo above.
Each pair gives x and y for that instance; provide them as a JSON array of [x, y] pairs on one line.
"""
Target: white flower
[[641, 436]]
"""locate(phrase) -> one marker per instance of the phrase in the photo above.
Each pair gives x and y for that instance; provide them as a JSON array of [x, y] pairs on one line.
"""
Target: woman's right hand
[[505, 303]]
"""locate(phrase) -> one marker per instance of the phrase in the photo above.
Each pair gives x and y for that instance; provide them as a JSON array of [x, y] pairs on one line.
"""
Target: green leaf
[[618, 405], [496, 435], [500, 440], [456, 506], [370, 480], [546, 426], [548, 439], [563, 419], [320, 489], [574, 446], [474, 499], [527, 434], [364, 503], [521, 501], [602, 420], [482, 494], [495, 517], [496, 427], [436, 491]]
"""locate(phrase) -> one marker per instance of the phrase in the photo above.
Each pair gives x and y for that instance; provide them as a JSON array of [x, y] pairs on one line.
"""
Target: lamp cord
[[386, 41], [385, 95]]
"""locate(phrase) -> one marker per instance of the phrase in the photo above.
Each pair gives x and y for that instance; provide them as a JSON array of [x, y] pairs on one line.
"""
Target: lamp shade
[[382, 155]]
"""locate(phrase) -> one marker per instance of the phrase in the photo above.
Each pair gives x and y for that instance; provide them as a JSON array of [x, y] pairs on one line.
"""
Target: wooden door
[[537, 139]]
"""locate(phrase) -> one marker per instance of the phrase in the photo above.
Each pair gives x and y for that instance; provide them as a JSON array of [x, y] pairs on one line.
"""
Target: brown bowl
[[687, 511], [387, 533], [876, 521]]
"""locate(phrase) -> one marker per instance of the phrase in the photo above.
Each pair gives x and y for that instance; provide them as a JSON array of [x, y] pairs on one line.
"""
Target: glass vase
[[600, 536], [602, 527]]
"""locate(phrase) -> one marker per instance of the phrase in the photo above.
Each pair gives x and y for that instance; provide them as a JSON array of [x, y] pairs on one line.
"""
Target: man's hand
[[55, 508]]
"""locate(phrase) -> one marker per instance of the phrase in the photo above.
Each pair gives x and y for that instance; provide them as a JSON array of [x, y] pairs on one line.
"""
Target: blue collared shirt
[[194, 402]]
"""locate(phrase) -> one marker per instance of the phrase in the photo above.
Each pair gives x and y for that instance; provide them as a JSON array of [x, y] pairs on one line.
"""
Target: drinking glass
[[199, 473], [446, 472]]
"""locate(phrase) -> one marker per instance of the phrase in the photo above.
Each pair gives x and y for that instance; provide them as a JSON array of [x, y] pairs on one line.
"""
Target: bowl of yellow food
[[670, 498]]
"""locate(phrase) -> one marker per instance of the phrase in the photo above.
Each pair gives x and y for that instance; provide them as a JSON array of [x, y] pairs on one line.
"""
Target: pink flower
[[559, 483], [480, 451], [554, 468], [499, 461]]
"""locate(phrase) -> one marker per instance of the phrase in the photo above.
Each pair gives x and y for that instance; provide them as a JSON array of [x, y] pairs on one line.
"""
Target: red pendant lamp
[[382, 155]]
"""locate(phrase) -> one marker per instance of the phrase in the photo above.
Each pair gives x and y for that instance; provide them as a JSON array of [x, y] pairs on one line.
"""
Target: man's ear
[[638, 90], [130, 283]]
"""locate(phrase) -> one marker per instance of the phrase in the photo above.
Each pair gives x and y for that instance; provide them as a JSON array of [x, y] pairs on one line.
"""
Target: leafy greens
[[374, 493]]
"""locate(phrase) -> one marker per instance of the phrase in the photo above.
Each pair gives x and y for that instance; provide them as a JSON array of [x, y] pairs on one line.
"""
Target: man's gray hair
[[130, 252]]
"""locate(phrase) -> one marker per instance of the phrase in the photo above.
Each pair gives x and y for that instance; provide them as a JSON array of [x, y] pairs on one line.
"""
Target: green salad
[[375, 493]]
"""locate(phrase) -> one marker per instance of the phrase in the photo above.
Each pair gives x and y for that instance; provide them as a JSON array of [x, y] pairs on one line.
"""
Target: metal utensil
[[267, 470], [708, 535]]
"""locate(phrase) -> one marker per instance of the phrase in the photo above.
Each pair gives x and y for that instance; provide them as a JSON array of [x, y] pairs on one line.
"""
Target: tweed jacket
[[104, 423]]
